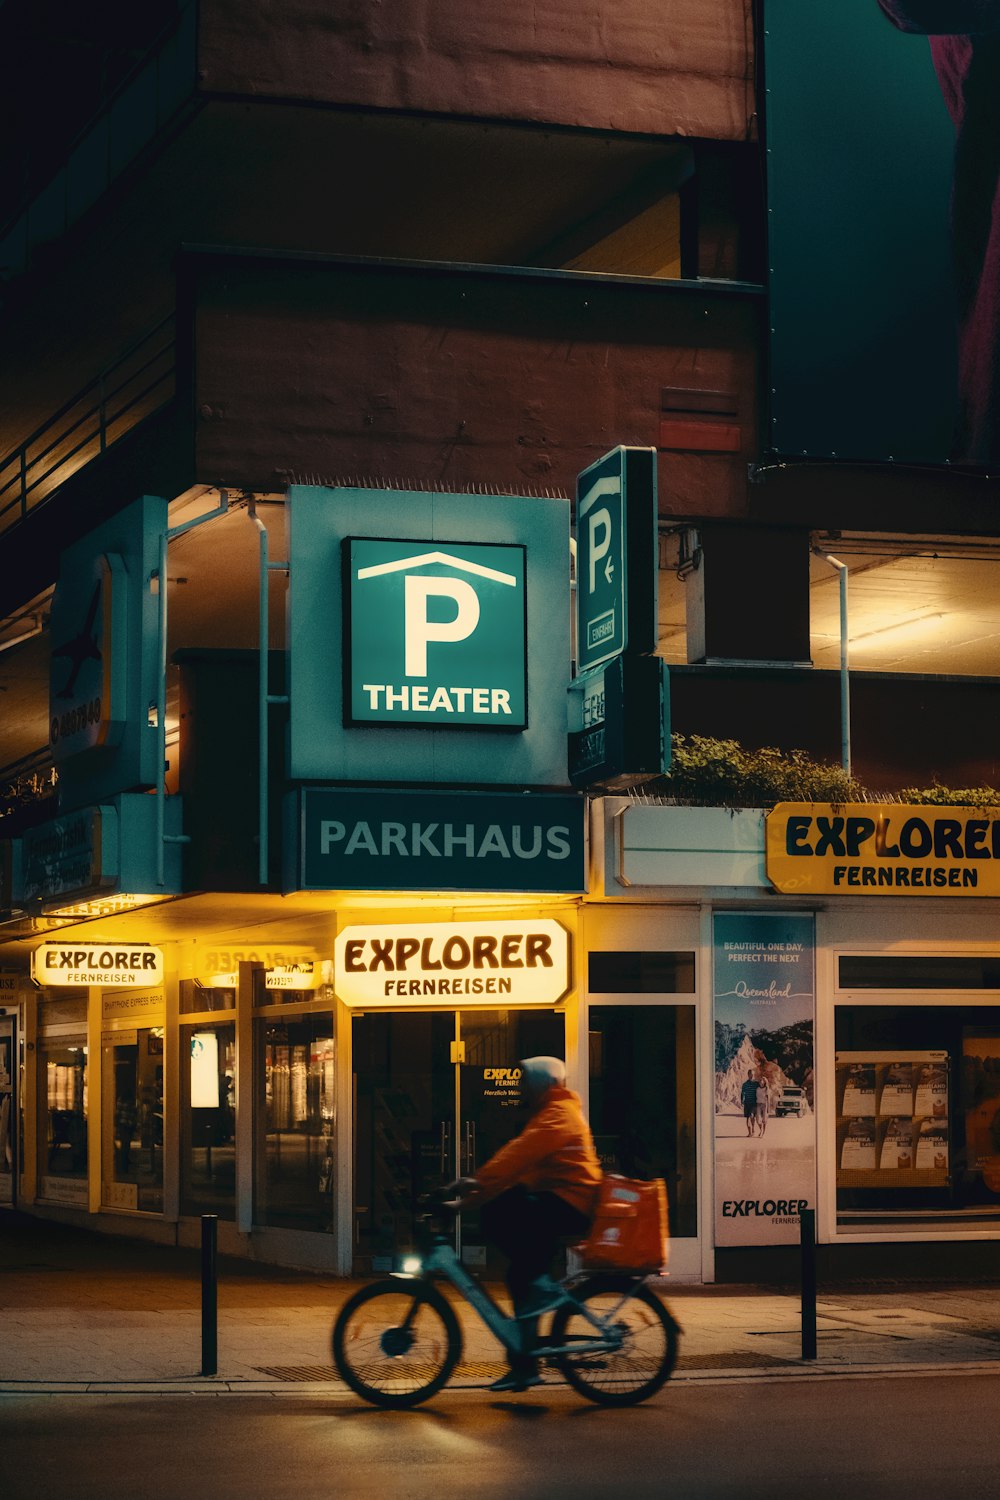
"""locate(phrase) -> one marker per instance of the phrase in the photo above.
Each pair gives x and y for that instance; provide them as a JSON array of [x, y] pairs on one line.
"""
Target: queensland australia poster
[[765, 1122]]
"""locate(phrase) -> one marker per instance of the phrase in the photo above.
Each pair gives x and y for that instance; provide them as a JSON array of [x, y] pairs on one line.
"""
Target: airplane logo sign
[[436, 634]]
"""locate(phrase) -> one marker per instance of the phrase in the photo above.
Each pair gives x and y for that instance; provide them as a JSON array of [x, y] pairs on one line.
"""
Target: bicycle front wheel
[[648, 1351], [396, 1343]]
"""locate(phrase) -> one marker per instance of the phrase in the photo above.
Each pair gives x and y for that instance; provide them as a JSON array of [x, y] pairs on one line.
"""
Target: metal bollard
[[209, 1295], [807, 1240]]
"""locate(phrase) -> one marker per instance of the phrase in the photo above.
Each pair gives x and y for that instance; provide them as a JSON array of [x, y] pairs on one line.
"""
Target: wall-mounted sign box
[[523, 962], [105, 661], [436, 634], [95, 854], [109, 965], [341, 839], [619, 723], [883, 849], [420, 625], [616, 557]]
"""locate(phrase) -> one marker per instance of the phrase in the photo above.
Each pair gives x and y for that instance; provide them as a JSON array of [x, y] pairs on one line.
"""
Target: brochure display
[[892, 1119]]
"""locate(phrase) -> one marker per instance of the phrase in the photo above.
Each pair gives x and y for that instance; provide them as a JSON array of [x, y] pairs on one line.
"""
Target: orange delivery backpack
[[629, 1232]]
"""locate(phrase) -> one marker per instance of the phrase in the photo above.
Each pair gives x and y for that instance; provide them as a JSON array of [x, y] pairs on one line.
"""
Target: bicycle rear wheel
[[648, 1352], [396, 1343]]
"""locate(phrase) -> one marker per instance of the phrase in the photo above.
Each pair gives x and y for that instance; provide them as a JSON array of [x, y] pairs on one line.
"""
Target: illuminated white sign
[[522, 962], [127, 965], [204, 1070]]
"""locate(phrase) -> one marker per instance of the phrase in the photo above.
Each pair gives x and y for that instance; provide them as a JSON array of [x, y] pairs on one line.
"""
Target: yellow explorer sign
[[883, 849]]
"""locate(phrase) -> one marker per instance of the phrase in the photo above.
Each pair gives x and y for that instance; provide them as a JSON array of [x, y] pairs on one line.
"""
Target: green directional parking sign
[[436, 633], [616, 556]]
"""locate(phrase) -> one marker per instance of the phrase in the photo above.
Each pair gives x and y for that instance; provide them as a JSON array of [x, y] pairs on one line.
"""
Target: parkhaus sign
[[436, 841], [437, 634]]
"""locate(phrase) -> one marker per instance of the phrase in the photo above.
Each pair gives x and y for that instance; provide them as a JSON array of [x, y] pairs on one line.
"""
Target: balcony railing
[[138, 383]]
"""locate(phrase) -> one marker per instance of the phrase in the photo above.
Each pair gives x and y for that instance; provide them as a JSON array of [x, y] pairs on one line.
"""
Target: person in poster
[[748, 1098], [965, 45]]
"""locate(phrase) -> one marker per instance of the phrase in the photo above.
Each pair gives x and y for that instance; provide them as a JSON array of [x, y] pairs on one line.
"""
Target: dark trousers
[[528, 1227]]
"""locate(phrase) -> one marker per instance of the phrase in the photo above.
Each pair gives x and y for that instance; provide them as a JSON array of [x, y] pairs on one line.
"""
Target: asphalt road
[[766, 1439]]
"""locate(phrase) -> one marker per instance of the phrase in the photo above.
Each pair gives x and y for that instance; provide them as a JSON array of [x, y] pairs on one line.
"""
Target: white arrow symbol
[[609, 569]]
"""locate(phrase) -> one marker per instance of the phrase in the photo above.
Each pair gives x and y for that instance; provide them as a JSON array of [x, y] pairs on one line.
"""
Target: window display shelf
[[893, 1177]]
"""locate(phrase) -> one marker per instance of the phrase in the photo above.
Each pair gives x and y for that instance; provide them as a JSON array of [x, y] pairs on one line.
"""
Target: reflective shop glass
[[208, 1119], [132, 1104], [641, 973], [198, 995], [295, 1065], [917, 1097], [63, 1109], [642, 1100], [913, 971], [436, 1094]]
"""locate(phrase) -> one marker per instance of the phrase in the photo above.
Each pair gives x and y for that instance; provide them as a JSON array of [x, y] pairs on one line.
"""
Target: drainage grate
[[748, 1360]]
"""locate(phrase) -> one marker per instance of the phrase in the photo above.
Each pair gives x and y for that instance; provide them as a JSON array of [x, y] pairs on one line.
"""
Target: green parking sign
[[616, 520], [436, 633]]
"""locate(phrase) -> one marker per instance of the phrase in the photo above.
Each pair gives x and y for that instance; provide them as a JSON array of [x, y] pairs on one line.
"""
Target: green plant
[[945, 796], [723, 773]]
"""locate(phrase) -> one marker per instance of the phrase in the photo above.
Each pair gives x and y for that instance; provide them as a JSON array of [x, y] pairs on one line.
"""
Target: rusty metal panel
[[679, 67], [317, 370]]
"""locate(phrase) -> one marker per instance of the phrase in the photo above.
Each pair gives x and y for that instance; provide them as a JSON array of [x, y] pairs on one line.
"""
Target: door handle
[[445, 1136], [469, 1147]]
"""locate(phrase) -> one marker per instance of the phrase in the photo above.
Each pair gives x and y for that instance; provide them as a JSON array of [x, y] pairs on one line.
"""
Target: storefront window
[[641, 973], [63, 1111], [918, 1113], [208, 1119], [132, 1089], [642, 1100], [198, 996], [296, 1082]]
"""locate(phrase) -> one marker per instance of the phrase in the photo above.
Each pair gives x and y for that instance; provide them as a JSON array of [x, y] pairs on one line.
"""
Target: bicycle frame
[[442, 1261]]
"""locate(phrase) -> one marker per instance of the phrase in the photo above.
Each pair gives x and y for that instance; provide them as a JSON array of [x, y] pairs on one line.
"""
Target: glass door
[[132, 1133], [8, 1111], [404, 1126], [642, 1100], [435, 1095], [490, 1113]]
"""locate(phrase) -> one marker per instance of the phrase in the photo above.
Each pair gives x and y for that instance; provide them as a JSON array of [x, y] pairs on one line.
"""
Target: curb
[[197, 1386]]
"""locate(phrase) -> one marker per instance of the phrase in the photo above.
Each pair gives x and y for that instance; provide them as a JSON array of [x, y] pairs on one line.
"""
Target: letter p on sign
[[598, 521], [420, 630]]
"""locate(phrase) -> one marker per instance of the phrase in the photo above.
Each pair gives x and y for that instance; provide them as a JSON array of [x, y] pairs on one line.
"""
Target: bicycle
[[396, 1342]]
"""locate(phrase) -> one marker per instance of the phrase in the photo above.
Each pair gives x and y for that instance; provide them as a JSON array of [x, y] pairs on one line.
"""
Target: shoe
[[516, 1380]]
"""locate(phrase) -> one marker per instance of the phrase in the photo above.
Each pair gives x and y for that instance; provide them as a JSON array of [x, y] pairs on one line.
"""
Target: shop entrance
[[435, 1095]]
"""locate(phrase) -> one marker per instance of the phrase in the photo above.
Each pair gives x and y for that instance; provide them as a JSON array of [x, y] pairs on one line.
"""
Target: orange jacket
[[553, 1154]]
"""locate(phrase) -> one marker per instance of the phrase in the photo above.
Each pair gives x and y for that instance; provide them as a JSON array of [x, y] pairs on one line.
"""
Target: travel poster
[[765, 1131]]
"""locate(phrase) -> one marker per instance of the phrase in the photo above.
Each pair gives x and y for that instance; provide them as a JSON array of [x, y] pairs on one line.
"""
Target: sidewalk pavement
[[80, 1311]]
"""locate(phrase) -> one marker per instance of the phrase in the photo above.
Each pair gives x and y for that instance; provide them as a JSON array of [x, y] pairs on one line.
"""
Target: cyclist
[[539, 1188]]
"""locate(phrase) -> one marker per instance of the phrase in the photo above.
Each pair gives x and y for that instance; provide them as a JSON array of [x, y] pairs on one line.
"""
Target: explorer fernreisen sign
[[883, 849]]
